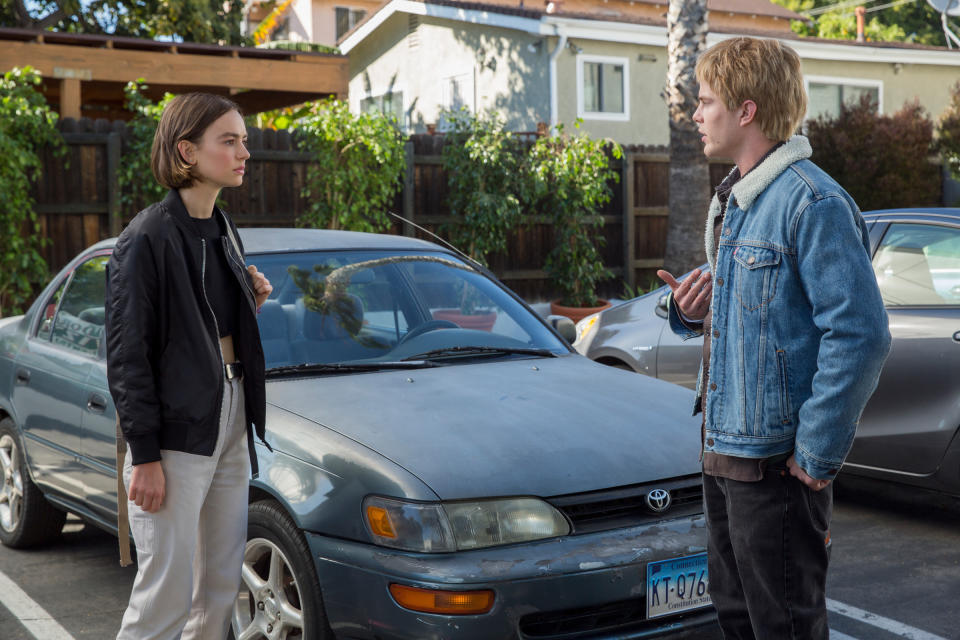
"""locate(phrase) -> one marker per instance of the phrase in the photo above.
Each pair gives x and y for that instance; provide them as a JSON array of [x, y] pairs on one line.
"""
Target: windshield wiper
[[469, 351], [335, 367]]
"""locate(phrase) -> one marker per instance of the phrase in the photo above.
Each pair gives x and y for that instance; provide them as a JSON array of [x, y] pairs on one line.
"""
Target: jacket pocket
[[756, 272], [786, 411]]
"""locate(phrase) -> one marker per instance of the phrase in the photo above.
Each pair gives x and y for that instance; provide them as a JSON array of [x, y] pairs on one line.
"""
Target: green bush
[[881, 160], [27, 125], [568, 178], [138, 188], [482, 164], [357, 168], [948, 133]]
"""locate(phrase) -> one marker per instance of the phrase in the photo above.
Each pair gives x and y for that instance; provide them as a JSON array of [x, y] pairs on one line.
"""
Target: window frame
[[882, 235], [65, 283], [351, 11], [395, 89], [585, 58], [842, 81]]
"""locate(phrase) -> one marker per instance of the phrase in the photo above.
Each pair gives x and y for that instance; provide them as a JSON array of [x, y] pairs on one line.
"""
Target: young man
[[795, 334]]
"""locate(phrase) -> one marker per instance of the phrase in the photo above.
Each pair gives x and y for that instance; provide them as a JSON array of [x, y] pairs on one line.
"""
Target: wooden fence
[[78, 202]]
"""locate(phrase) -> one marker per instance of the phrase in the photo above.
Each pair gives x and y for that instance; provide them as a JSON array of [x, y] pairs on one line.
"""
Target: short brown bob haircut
[[185, 117], [764, 71]]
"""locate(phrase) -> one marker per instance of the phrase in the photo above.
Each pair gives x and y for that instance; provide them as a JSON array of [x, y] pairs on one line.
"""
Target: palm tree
[[689, 173]]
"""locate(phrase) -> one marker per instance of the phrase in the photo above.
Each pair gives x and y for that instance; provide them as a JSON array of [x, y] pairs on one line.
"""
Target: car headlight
[[458, 526], [585, 327]]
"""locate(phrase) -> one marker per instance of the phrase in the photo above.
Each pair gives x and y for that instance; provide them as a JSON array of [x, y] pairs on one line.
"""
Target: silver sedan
[[910, 431]]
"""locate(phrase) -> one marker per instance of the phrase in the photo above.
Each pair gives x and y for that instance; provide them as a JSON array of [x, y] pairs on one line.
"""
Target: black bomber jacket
[[164, 364]]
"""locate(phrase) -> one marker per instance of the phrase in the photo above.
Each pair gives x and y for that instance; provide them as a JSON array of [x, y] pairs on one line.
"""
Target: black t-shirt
[[222, 289]]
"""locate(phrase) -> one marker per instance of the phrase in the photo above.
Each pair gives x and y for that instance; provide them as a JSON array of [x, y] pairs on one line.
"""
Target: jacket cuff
[[677, 325], [816, 469], [145, 448]]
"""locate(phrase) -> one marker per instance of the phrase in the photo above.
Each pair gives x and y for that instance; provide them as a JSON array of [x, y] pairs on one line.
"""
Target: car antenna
[[473, 263]]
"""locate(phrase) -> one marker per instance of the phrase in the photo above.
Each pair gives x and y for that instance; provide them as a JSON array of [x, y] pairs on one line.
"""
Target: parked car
[[910, 430], [434, 473]]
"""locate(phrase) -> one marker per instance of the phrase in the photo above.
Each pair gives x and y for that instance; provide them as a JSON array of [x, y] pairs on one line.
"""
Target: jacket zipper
[[243, 269], [203, 287]]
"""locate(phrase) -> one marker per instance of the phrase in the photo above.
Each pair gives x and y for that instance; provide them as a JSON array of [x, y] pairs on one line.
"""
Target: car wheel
[[279, 598], [26, 518]]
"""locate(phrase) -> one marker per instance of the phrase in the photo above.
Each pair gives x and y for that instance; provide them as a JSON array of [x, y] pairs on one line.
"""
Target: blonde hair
[[764, 71], [186, 117]]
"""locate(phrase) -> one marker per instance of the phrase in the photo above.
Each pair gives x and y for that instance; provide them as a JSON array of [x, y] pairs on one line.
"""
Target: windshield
[[336, 307]]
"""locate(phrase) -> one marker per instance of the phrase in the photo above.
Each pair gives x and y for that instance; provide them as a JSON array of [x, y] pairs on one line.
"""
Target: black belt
[[233, 370]]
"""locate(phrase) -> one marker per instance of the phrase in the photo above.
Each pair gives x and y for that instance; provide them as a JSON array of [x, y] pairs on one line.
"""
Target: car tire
[[27, 519], [279, 593]]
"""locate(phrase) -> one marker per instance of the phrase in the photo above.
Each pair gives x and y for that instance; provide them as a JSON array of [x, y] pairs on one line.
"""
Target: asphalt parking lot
[[895, 573]]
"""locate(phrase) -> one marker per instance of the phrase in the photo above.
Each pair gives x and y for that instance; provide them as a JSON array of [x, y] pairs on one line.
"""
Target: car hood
[[544, 426]]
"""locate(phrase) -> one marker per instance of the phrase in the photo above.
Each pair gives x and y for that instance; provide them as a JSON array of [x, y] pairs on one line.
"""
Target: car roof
[[927, 214], [282, 240]]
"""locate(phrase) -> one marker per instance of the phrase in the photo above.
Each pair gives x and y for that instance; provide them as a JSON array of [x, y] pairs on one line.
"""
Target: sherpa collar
[[750, 186]]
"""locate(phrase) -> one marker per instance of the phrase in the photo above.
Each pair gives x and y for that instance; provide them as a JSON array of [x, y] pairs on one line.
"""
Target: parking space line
[[887, 624], [836, 635], [30, 614]]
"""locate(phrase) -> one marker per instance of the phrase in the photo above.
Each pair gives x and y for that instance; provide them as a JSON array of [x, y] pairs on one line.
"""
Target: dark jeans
[[768, 556]]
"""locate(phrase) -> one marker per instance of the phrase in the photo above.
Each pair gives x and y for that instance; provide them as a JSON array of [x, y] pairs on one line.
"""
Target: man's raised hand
[[692, 295]]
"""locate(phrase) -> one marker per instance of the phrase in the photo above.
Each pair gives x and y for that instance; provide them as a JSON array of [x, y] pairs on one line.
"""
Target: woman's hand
[[261, 286], [148, 486]]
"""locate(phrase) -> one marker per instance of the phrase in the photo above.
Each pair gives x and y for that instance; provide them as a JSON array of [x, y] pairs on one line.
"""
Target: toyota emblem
[[658, 500]]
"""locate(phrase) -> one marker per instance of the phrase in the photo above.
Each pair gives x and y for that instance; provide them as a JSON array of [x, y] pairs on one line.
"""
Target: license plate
[[677, 585]]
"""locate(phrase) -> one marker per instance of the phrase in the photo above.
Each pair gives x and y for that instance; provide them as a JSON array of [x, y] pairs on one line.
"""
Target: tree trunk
[[689, 183]]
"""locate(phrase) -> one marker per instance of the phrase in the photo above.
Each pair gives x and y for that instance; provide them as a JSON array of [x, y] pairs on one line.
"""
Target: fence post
[[409, 183], [629, 221], [114, 142]]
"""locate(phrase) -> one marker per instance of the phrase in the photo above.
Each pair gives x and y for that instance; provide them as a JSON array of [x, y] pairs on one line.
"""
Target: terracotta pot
[[576, 313], [478, 321]]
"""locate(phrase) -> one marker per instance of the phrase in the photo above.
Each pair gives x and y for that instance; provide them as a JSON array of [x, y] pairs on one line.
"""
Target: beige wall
[[499, 68], [646, 80]]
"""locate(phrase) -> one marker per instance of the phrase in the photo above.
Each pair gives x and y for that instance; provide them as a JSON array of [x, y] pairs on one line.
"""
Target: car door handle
[[97, 403], [956, 336], [23, 376]]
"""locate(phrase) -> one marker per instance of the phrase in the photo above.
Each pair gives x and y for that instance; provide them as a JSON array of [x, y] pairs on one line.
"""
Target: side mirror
[[662, 310], [564, 326]]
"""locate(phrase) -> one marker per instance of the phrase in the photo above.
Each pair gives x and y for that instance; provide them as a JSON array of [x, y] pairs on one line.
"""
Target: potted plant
[[568, 182]]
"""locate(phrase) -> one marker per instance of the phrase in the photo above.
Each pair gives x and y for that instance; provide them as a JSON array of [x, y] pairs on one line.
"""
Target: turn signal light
[[380, 523], [455, 603]]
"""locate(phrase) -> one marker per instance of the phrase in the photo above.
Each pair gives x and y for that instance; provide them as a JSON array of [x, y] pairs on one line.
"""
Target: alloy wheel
[[11, 495], [269, 603]]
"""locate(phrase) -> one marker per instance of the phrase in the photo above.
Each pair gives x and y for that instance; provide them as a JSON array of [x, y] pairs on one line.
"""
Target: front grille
[[627, 506], [624, 616]]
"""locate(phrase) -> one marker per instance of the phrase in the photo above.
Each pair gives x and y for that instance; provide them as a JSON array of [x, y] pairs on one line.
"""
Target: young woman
[[186, 372]]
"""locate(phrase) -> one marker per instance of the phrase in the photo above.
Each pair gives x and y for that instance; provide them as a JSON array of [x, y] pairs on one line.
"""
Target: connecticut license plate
[[677, 585]]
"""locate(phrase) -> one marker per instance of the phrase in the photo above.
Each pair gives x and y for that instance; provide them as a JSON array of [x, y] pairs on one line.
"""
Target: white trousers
[[190, 551]]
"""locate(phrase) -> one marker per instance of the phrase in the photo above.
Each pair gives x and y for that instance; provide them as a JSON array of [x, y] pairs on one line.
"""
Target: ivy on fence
[[27, 125]]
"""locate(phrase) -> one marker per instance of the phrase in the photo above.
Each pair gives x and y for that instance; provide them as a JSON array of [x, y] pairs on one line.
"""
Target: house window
[[390, 104], [827, 95], [602, 92], [347, 19]]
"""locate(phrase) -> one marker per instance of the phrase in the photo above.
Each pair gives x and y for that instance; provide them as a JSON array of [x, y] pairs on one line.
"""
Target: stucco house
[[602, 61]]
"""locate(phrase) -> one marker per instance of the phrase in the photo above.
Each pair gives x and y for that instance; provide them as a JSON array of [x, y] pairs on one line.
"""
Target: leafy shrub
[[27, 125], [358, 162], [138, 188], [482, 163], [568, 178], [948, 133], [881, 160]]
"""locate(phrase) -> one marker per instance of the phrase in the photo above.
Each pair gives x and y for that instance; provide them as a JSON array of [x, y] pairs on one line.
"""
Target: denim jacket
[[799, 329]]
